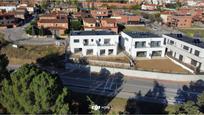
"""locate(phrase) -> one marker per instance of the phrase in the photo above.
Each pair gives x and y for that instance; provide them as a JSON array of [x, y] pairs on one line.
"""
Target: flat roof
[[137, 34], [190, 40], [84, 33]]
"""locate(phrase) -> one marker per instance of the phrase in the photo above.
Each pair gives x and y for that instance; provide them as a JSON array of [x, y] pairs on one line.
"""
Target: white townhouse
[[94, 42], [142, 44], [186, 50]]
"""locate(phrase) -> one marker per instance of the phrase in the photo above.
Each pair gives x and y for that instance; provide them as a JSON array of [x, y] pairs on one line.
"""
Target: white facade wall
[[188, 55], [129, 45], [8, 8], [95, 43]]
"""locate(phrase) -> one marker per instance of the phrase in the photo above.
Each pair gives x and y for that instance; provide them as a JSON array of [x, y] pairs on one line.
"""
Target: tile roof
[[53, 21], [89, 20]]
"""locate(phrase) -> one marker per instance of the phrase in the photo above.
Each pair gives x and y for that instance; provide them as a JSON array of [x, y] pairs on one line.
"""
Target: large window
[[156, 53], [76, 40], [140, 44], [141, 54], [155, 43], [197, 52], [106, 41], [193, 62], [186, 48], [171, 42]]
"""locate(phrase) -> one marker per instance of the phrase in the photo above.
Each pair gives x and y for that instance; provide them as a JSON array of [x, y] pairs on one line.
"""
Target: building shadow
[[190, 92], [153, 102]]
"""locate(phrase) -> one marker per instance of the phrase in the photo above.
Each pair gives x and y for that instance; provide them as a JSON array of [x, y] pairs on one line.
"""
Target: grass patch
[[28, 53], [136, 28], [192, 32], [118, 105], [159, 65]]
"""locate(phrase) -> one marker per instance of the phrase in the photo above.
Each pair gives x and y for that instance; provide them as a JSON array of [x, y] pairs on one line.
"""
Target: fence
[[138, 73]]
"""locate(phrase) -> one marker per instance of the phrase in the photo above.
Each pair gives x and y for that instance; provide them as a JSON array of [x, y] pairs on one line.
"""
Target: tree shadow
[[153, 102], [103, 87], [52, 60], [190, 92]]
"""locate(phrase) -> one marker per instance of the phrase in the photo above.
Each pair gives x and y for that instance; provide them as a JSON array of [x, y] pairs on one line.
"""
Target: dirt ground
[[162, 65]]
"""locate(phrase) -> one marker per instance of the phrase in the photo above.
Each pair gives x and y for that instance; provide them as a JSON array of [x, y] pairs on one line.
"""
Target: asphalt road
[[18, 36]]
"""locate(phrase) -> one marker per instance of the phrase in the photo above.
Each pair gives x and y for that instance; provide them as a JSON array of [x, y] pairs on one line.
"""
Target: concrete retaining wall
[[139, 74]]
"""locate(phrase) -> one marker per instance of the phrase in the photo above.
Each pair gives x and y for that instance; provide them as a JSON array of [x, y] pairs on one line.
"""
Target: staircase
[[131, 59]]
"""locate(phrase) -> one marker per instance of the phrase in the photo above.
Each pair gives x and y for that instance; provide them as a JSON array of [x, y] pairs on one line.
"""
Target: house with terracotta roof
[[22, 13], [8, 6], [149, 7], [89, 23], [101, 13], [7, 20], [65, 8], [100, 24], [165, 14], [56, 23]]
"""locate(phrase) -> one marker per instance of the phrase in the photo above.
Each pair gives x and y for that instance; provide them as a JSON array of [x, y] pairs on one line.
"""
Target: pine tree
[[31, 90]]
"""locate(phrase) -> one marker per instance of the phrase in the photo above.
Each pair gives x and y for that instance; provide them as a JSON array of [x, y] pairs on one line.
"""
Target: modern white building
[[94, 42], [142, 44], [186, 50]]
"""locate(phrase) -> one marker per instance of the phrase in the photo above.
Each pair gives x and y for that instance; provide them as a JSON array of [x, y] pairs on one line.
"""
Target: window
[[92, 40], [197, 52], [126, 39], [193, 62], [76, 40], [191, 50], [106, 41], [140, 44], [155, 43], [171, 42], [186, 48], [141, 54]]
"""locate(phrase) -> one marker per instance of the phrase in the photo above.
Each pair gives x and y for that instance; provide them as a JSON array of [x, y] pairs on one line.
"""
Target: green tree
[[75, 25], [31, 90], [200, 101], [136, 7], [92, 111], [3, 67], [187, 108]]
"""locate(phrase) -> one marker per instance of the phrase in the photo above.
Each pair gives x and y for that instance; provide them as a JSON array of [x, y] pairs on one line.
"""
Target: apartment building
[[143, 44], [179, 21], [57, 23], [186, 50], [94, 42]]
